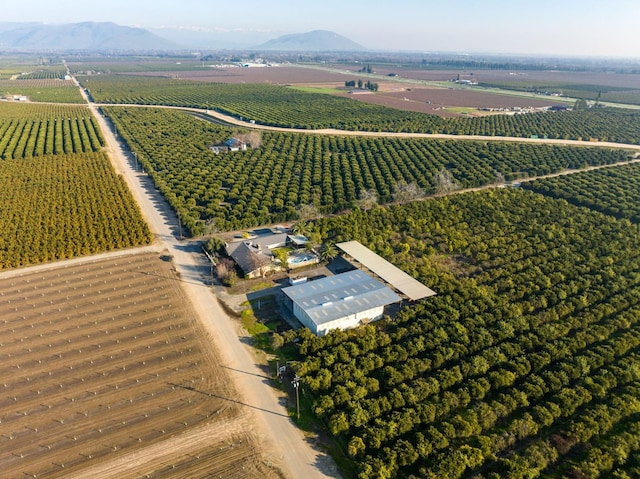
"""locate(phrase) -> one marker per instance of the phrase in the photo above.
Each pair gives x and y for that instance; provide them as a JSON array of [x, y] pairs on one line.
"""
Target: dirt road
[[386, 134], [286, 446]]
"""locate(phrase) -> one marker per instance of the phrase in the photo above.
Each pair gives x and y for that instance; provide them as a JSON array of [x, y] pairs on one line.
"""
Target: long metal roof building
[[410, 287], [339, 301]]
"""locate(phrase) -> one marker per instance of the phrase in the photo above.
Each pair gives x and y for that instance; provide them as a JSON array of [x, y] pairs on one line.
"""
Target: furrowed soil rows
[[105, 371]]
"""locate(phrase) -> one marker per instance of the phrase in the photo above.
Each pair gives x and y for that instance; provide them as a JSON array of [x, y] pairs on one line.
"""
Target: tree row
[[614, 191]]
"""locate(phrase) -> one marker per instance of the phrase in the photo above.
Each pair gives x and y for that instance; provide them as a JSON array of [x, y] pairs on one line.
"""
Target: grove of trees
[[527, 362], [61, 206], [267, 184], [59, 193], [36, 130], [46, 89], [614, 191]]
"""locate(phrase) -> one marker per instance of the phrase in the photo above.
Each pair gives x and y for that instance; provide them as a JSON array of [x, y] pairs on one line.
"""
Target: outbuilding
[[342, 301]]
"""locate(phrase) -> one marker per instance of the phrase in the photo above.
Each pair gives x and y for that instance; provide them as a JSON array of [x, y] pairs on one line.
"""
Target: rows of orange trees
[[267, 184], [614, 191], [27, 131], [62, 206], [49, 90], [60, 196], [283, 106], [54, 73], [527, 362]]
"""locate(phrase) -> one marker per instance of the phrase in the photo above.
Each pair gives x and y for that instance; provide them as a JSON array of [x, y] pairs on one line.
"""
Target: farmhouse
[[254, 254], [231, 144], [342, 301]]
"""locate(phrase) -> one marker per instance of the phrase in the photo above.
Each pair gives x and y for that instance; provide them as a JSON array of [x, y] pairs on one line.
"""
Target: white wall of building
[[346, 322]]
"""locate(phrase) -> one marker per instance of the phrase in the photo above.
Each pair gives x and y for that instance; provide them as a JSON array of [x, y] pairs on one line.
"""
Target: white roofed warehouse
[[342, 301]]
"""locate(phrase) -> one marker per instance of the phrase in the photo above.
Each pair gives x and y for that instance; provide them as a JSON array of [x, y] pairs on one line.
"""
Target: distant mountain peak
[[316, 41]]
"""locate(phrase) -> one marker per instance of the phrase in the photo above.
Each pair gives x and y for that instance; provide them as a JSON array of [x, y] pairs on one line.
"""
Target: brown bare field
[[415, 99], [107, 373], [621, 80], [403, 96]]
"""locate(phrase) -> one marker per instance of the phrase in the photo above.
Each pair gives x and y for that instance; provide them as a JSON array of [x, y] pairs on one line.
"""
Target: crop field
[[589, 92], [619, 80], [105, 372], [30, 66], [60, 196], [266, 185], [63, 206], [133, 64], [275, 105], [30, 130], [53, 73], [615, 88], [51, 90], [615, 191], [39, 111], [437, 101], [277, 75]]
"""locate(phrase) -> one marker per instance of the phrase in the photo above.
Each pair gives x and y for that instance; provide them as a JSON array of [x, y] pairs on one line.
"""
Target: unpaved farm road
[[286, 446], [382, 134]]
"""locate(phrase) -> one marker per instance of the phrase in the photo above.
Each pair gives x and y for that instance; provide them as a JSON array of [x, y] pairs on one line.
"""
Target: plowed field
[[105, 372]]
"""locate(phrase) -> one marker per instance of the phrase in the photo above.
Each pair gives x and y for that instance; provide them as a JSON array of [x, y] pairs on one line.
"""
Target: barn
[[342, 301]]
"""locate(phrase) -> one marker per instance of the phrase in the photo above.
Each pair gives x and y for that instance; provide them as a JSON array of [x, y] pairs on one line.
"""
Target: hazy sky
[[561, 27]]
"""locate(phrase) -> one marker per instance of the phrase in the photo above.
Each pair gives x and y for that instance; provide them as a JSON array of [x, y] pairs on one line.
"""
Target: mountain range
[[92, 36], [106, 36]]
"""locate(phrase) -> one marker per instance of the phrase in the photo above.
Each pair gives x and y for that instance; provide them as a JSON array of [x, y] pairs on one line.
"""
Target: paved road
[[286, 445]]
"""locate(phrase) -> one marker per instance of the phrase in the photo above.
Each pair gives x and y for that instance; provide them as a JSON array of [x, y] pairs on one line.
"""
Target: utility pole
[[296, 386], [135, 155]]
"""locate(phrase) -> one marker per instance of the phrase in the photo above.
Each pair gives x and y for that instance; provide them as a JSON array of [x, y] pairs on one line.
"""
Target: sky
[[586, 28]]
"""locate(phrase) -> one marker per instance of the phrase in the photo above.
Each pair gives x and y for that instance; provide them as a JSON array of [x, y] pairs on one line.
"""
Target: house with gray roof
[[254, 255]]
